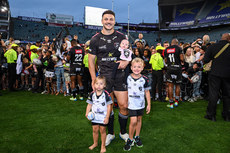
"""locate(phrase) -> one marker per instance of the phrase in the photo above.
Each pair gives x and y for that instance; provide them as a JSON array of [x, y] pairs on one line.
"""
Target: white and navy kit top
[[105, 47], [136, 92], [99, 105]]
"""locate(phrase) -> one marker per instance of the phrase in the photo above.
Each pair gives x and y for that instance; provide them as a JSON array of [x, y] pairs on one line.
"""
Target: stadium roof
[[176, 2]]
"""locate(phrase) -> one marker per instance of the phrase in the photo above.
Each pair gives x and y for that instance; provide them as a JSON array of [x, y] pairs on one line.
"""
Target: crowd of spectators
[[52, 76]]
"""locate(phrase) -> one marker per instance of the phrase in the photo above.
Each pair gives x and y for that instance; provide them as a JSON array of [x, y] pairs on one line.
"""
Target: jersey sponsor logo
[[134, 96], [173, 76], [78, 69], [171, 50], [110, 54], [78, 51], [116, 45], [109, 59], [102, 38], [99, 111], [114, 37], [109, 41], [102, 47]]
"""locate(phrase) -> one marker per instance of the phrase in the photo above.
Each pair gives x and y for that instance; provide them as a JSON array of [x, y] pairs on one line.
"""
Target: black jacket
[[220, 65]]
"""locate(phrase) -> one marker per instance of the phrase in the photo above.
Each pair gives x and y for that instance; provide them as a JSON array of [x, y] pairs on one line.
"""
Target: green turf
[[32, 123]]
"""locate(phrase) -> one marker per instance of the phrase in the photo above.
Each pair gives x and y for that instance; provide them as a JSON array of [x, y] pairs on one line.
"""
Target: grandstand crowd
[[52, 75]]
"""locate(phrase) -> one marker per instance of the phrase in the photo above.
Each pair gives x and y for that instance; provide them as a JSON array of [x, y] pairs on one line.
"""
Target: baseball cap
[[14, 45], [160, 48], [33, 47]]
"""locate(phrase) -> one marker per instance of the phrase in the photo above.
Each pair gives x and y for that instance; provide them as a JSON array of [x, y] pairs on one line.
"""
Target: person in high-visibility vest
[[11, 56]]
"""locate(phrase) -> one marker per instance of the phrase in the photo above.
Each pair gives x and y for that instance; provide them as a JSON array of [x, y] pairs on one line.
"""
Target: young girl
[[49, 74], [100, 103]]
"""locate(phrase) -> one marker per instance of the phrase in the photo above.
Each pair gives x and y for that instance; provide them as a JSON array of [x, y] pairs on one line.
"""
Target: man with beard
[[104, 45]]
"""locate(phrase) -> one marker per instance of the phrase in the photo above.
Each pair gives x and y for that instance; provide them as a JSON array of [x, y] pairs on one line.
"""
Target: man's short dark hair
[[74, 42], [108, 12]]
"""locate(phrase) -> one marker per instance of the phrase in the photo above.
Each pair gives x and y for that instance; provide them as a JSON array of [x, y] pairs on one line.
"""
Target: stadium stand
[[4, 19], [220, 12], [209, 17], [193, 14], [185, 14]]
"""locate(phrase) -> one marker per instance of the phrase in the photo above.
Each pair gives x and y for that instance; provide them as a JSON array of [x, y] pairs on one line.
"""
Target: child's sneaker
[[195, 99], [191, 100], [128, 145], [170, 106], [176, 103], [138, 141], [73, 99], [81, 98], [44, 92], [109, 138], [124, 136]]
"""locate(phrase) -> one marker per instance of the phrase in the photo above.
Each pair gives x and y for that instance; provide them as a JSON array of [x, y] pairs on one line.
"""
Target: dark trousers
[[157, 81], [11, 75], [185, 88], [217, 84], [39, 77], [1, 76], [87, 81]]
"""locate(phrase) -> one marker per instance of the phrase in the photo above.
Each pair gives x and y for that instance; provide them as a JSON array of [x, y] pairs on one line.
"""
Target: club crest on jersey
[[103, 104], [126, 53], [116, 45], [140, 88], [78, 51], [171, 50]]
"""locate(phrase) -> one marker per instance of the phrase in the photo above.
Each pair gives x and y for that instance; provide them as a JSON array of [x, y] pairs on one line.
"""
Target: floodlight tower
[[112, 4], [128, 20], [4, 18]]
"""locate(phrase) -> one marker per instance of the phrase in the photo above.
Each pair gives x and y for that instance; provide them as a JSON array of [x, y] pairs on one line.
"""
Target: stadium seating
[[220, 12], [185, 14]]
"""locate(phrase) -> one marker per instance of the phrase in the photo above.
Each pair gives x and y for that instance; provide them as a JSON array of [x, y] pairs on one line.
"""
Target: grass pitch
[[34, 123]]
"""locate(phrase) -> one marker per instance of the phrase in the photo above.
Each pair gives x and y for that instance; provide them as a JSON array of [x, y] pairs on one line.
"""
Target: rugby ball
[[91, 116], [67, 64], [195, 78], [37, 62]]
